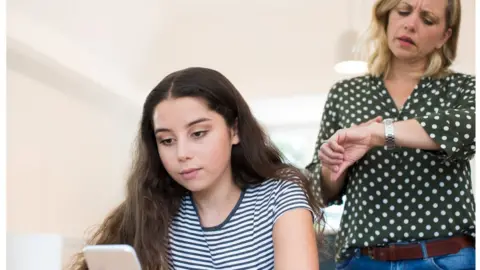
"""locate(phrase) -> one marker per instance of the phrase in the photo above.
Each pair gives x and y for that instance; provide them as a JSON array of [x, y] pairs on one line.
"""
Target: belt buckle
[[370, 253]]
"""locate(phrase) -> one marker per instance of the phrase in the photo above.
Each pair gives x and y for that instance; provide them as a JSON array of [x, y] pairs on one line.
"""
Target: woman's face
[[194, 142], [416, 28]]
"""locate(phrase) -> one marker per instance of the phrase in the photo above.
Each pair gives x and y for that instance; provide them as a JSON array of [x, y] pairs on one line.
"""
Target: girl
[[208, 190]]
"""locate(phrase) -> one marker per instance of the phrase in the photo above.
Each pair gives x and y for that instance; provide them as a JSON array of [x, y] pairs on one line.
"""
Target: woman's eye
[[427, 22], [403, 13]]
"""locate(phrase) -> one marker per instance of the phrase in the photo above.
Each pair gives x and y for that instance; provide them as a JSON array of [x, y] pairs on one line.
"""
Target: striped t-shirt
[[243, 240]]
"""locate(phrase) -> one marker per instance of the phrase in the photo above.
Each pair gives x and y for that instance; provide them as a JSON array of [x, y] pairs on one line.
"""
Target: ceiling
[[266, 48]]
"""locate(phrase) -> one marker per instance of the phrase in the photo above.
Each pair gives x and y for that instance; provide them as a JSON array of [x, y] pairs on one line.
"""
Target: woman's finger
[[330, 166], [330, 152], [377, 119], [328, 161], [336, 147]]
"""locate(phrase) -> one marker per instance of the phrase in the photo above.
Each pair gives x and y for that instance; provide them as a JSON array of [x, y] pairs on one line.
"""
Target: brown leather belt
[[434, 248]]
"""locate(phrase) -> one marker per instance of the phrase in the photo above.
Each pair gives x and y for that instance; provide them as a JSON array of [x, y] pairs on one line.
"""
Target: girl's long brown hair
[[153, 198]]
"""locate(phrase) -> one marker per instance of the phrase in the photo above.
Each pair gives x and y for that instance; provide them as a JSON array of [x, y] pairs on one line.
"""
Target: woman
[[207, 181], [407, 179]]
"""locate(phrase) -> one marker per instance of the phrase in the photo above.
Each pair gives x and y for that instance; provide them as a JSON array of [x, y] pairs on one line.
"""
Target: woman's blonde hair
[[375, 45]]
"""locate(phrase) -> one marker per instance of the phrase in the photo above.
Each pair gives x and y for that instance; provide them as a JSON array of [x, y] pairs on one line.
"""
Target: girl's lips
[[189, 174]]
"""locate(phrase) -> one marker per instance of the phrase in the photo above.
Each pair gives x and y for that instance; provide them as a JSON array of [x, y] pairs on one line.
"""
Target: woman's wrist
[[377, 132]]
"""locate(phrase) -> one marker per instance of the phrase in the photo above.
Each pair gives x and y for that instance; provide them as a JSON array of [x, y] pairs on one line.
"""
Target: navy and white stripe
[[243, 240]]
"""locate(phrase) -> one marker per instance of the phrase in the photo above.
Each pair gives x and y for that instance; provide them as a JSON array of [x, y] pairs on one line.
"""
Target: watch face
[[389, 134]]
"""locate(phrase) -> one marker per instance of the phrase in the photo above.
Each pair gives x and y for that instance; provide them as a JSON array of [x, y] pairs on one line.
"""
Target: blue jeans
[[464, 260]]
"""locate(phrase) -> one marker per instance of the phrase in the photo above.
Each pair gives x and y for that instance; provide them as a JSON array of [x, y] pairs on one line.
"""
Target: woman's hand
[[331, 154], [347, 146]]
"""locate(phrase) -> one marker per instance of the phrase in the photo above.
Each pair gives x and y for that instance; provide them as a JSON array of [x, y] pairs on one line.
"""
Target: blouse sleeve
[[454, 129], [328, 126]]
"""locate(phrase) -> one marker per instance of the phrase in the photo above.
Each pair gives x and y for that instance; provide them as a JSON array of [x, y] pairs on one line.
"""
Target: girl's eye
[[199, 134], [166, 141]]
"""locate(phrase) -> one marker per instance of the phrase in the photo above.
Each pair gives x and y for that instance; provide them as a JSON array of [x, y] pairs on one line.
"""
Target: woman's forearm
[[408, 133], [331, 189]]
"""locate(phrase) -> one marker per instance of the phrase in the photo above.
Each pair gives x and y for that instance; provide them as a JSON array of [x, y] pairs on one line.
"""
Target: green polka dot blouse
[[404, 195]]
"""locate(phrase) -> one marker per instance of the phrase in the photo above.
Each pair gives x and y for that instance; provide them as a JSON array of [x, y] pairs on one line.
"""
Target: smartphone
[[111, 257]]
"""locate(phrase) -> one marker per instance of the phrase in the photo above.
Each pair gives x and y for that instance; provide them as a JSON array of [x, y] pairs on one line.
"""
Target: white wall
[[290, 53], [67, 157]]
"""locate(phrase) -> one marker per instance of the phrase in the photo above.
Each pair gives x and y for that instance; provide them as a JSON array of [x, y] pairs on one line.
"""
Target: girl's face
[[194, 142]]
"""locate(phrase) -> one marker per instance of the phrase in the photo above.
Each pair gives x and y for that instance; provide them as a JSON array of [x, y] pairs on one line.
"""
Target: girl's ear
[[235, 135]]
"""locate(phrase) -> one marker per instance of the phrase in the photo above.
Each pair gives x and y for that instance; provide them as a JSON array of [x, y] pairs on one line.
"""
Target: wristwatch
[[389, 134]]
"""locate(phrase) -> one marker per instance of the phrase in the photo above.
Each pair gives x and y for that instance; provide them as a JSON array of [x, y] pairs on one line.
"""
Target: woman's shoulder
[[353, 83], [454, 82], [459, 78]]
